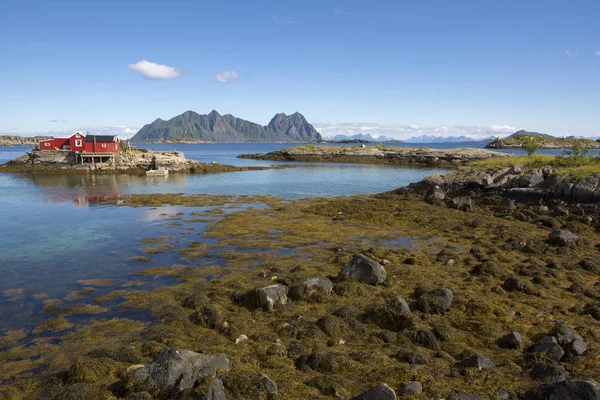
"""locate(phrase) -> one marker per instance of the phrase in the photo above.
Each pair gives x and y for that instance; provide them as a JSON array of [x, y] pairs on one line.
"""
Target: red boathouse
[[86, 144]]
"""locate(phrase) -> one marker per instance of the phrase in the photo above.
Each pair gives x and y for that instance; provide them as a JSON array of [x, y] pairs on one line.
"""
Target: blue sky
[[428, 63]]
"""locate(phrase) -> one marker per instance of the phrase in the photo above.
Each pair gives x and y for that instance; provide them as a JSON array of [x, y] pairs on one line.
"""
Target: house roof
[[101, 138]]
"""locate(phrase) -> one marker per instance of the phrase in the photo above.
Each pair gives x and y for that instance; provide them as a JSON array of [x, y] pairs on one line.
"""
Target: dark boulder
[[548, 373], [562, 238], [570, 340], [512, 340], [379, 392], [547, 348], [563, 334], [362, 269], [566, 390], [425, 339], [477, 361], [462, 203], [514, 284], [436, 301], [176, 370]]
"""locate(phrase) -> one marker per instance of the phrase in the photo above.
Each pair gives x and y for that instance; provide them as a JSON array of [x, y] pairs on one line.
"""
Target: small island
[[379, 155], [94, 154], [518, 140]]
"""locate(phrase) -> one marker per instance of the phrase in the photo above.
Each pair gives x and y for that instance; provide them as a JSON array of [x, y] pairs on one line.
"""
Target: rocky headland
[[379, 155], [136, 161], [544, 182]]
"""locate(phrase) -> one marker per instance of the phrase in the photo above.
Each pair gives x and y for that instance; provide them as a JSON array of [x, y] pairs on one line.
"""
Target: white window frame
[[47, 144], [78, 143], [103, 145]]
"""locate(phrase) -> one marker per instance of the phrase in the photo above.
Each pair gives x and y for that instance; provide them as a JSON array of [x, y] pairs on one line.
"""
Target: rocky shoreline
[[504, 305], [379, 155], [137, 161], [543, 183], [545, 143]]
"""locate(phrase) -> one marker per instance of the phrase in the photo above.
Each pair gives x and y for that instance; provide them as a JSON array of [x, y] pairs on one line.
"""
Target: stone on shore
[[436, 301], [176, 370], [362, 269], [566, 390]]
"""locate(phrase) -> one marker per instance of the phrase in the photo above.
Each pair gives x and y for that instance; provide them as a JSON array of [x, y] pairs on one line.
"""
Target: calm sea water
[[53, 233]]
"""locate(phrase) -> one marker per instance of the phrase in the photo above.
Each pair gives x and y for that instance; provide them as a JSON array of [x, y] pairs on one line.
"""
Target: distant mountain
[[361, 136], [444, 139], [524, 132], [214, 127]]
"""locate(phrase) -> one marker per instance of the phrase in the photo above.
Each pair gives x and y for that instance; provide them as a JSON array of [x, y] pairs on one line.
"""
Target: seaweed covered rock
[[548, 348], [462, 203], [242, 384], [176, 370], [362, 269], [93, 370], [511, 340], [314, 289], [436, 301], [379, 392], [548, 372], [566, 390], [410, 388], [562, 238]]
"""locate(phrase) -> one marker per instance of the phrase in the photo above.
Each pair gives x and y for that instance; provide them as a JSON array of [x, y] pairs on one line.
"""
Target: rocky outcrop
[[379, 154], [544, 182], [135, 161]]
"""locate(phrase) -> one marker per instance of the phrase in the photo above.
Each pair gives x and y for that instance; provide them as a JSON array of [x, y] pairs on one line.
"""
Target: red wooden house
[[86, 144]]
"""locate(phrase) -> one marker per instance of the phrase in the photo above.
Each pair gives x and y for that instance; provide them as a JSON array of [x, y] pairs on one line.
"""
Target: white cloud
[[56, 121], [227, 76], [156, 71], [503, 128], [570, 53], [598, 53]]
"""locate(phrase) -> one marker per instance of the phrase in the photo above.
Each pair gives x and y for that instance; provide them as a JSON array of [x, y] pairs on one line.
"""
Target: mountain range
[[214, 127]]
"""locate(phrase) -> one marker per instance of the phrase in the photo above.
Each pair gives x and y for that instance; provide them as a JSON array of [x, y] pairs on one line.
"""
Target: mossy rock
[[94, 370]]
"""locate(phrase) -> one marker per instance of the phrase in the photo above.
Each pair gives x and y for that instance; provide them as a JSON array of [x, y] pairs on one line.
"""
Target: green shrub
[[531, 144]]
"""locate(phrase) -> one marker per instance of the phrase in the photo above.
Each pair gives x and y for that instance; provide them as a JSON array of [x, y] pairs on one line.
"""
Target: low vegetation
[[313, 347]]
